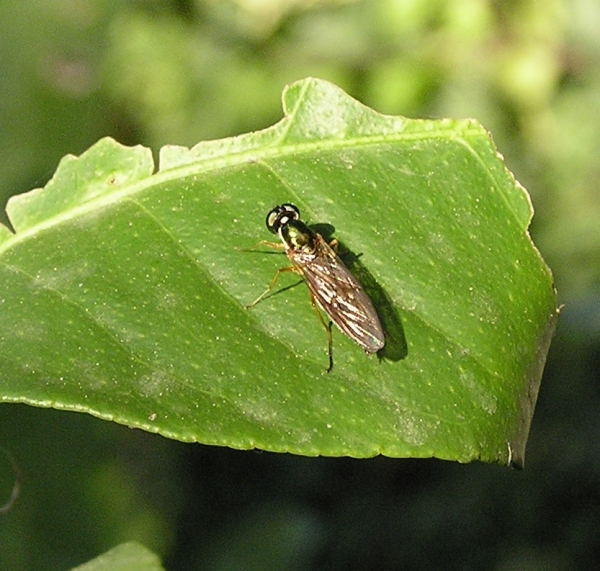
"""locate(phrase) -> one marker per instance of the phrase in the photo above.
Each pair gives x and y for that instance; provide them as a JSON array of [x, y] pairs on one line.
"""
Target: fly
[[332, 287]]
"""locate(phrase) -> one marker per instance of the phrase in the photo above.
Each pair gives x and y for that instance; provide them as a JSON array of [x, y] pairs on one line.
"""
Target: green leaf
[[123, 292], [128, 556]]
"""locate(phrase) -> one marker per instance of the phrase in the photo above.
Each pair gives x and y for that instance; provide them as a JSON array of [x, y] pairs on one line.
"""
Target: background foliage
[[180, 71]]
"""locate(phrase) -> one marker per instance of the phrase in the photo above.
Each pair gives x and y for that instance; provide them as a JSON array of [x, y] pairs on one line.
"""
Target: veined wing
[[340, 295]]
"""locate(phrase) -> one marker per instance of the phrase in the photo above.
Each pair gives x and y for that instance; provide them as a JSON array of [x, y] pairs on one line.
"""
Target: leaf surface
[[130, 556], [123, 291]]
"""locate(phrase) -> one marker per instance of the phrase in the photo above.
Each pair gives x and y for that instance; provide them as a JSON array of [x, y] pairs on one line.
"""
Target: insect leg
[[271, 285], [328, 329]]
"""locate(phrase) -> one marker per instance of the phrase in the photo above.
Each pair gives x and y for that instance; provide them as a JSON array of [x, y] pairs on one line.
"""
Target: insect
[[332, 287]]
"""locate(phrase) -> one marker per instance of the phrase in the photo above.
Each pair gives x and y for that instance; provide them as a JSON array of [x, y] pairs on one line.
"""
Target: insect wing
[[341, 296]]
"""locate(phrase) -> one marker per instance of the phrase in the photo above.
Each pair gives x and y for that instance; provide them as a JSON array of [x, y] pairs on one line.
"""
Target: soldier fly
[[332, 287]]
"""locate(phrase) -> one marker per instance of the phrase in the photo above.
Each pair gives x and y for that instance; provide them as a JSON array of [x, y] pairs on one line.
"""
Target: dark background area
[[177, 72]]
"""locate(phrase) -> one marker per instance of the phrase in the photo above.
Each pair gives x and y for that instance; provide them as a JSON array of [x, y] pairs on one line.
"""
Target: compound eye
[[291, 210], [272, 220], [280, 216]]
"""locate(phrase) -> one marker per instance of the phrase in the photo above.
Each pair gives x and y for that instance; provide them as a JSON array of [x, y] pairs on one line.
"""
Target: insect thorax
[[298, 236]]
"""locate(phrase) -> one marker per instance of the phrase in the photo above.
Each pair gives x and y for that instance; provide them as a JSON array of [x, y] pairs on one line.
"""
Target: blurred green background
[[180, 71]]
